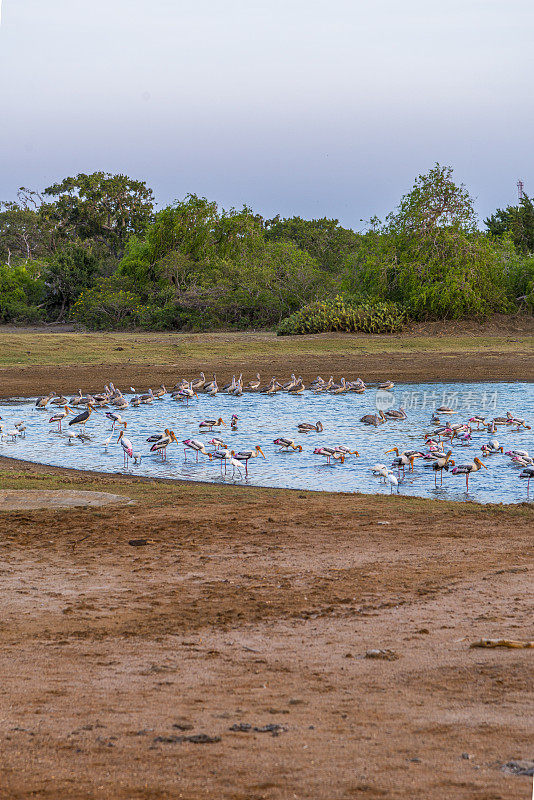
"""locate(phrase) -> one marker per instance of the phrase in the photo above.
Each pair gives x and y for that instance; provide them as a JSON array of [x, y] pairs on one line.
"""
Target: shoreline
[[414, 367]]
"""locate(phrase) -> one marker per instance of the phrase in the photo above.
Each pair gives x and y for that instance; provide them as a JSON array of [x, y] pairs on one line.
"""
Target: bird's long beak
[[393, 450], [224, 423], [485, 467], [125, 424], [261, 451], [355, 453]]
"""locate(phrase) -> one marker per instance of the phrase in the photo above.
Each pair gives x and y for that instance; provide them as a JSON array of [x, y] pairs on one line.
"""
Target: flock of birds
[[436, 452]]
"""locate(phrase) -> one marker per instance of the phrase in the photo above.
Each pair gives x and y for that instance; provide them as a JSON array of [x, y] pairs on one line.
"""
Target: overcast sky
[[309, 107]]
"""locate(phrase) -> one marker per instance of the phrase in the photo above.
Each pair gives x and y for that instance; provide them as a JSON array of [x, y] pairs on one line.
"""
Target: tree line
[[93, 249]]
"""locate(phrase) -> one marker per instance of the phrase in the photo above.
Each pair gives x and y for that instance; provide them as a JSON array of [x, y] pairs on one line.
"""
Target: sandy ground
[[20, 500], [424, 366], [247, 620]]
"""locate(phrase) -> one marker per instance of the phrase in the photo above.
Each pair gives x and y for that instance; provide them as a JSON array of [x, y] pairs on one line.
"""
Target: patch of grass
[[157, 493], [27, 349]]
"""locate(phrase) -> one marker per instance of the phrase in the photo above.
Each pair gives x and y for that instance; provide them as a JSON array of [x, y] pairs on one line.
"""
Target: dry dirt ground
[[245, 621]]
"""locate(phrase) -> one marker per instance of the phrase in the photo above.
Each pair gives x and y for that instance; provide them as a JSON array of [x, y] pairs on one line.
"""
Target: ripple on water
[[264, 418]]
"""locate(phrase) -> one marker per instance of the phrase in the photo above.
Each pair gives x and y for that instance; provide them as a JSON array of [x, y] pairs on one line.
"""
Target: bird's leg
[[185, 454]]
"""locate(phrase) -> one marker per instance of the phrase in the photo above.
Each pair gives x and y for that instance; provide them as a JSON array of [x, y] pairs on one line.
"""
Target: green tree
[[73, 268], [517, 221], [430, 256], [324, 239], [102, 207]]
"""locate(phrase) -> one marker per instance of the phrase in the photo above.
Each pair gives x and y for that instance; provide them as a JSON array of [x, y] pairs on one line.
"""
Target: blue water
[[264, 418]]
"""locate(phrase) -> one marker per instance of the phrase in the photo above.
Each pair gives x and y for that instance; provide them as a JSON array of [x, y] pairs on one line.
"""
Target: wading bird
[[222, 456], [392, 479], [491, 448], [41, 402], [329, 453], [198, 447], [161, 445], [116, 419], [286, 444], [306, 427], [155, 437], [404, 458], [209, 424], [380, 469], [82, 418], [443, 462], [217, 443], [59, 417], [246, 455], [467, 469], [127, 449], [528, 473]]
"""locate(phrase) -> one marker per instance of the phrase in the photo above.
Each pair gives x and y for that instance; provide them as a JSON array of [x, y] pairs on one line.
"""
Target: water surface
[[264, 418]]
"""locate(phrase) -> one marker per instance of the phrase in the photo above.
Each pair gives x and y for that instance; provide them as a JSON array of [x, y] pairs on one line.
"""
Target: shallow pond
[[264, 418]]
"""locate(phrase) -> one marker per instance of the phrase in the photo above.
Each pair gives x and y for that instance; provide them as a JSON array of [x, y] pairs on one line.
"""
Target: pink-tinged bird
[[59, 417], [127, 448], [197, 446], [162, 444], [467, 469]]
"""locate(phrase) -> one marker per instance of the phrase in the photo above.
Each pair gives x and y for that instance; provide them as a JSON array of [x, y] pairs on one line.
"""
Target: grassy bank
[[26, 349]]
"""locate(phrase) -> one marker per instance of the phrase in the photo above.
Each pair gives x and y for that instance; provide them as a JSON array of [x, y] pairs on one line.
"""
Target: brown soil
[[425, 366], [253, 608]]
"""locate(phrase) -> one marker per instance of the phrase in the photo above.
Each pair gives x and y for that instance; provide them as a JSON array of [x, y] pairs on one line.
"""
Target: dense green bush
[[339, 314], [109, 307], [21, 290]]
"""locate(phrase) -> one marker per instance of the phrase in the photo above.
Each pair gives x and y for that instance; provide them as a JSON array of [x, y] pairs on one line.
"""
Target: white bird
[[236, 465], [127, 449], [380, 469], [393, 481]]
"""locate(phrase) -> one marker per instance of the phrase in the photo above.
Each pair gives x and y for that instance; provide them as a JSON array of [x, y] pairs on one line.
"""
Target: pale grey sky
[[310, 107]]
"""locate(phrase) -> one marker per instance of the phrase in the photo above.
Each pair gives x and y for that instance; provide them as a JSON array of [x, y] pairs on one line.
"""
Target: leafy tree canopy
[[103, 207], [324, 239], [435, 202], [517, 221]]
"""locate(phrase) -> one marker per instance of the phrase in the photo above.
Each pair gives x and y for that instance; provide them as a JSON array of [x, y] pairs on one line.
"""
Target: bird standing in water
[[467, 469], [59, 417], [127, 449]]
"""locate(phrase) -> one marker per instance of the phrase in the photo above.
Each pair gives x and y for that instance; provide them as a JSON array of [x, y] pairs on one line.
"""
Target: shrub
[[21, 290], [109, 307], [339, 314]]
